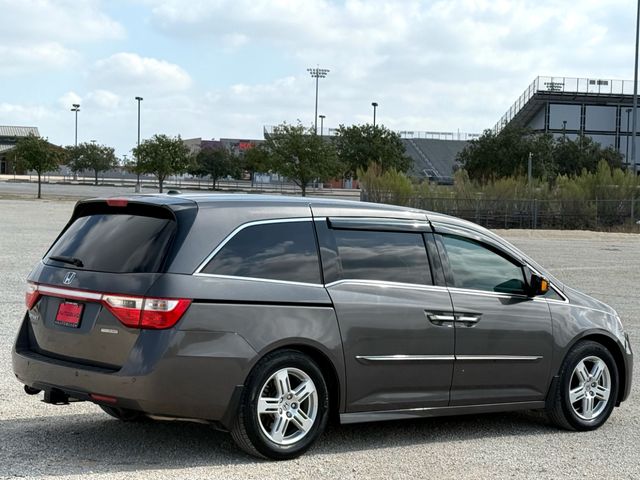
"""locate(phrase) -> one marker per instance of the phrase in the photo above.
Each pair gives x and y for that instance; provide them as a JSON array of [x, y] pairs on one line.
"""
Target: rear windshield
[[115, 243]]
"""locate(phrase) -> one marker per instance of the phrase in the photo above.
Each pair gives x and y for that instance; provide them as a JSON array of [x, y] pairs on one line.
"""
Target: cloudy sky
[[225, 68]]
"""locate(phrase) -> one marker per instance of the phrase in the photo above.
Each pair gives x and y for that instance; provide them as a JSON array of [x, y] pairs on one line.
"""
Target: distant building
[[9, 136], [595, 107]]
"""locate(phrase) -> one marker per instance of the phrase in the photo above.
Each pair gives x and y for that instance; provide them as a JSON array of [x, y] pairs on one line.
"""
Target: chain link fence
[[594, 214]]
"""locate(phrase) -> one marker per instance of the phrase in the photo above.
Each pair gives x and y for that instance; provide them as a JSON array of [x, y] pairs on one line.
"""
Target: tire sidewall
[[262, 372], [579, 353]]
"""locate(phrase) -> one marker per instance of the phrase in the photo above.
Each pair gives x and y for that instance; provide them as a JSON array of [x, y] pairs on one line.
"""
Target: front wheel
[[284, 407], [587, 388]]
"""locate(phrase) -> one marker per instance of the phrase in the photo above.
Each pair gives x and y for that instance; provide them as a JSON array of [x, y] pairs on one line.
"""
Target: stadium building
[[598, 108]]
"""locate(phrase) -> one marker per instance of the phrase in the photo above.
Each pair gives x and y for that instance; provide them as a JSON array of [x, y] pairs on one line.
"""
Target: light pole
[[564, 129], [318, 73], [76, 108], [635, 95], [375, 106], [322, 117], [139, 99], [626, 154]]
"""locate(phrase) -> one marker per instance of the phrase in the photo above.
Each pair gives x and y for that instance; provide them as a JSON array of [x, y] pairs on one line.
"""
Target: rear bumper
[[168, 373]]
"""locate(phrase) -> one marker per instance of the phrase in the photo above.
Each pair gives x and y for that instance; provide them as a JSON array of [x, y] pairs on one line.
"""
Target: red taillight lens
[[162, 313], [153, 313], [31, 295], [125, 309], [117, 202]]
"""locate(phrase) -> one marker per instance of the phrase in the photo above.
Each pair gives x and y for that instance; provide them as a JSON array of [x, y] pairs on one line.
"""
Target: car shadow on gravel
[[93, 443]]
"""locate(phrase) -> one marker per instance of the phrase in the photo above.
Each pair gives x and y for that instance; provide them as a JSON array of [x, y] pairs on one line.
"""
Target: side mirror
[[538, 285]]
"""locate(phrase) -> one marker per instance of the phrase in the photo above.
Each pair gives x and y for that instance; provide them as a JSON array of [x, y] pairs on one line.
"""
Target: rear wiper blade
[[72, 260]]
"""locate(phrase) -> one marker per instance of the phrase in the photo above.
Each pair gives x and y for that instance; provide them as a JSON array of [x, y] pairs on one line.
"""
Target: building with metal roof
[[9, 136]]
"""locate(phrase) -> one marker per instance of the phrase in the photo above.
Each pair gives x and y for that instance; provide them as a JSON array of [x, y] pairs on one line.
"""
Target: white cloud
[[431, 65], [132, 73], [19, 59], [56, 20], [68, 99], [45, 35]]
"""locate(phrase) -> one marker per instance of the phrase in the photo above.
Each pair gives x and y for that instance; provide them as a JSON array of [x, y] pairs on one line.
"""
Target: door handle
[[440, 319], [468, 319]]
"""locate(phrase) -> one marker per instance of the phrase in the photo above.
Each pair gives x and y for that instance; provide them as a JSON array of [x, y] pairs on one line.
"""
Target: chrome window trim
[[380, 224], [237, 230], [385, 283], [257, 279], [486, 293]]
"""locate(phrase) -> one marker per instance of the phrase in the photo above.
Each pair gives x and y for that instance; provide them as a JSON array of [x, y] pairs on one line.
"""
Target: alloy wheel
[[287, 406]]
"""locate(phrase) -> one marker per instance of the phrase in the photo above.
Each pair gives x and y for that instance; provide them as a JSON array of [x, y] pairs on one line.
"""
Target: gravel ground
[[79, 441]]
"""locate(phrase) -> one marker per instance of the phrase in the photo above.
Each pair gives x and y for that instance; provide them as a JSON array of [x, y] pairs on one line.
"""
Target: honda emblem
[[68, 278]]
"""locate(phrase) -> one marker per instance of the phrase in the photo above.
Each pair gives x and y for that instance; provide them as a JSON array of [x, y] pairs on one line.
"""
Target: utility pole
[[530, 168], [138, 186], [375, 106], [322, 117], [635, 96]]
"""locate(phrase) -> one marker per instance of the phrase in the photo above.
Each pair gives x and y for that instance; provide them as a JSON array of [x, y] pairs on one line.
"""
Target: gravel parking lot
[[79, 441]]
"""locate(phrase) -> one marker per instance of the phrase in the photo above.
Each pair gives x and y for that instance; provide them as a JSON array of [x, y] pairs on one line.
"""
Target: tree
[[301, 155], [572, 156], [91, 156], [256, 159], [215, 163], [162, 156], [360, 145], [506, 154], [36, 153]]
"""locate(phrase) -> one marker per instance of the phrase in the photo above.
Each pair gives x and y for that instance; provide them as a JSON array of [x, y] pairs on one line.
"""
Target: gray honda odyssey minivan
[[267, 315]]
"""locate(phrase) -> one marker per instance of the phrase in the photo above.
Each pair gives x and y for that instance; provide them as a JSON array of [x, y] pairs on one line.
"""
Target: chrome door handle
[[440, 318], [468, 319]]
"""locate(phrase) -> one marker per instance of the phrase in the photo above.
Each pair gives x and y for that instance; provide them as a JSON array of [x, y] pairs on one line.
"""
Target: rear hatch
[[86, 299]]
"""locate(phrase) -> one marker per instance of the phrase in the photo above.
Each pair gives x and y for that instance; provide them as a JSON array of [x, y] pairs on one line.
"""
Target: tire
[[294, 413], [123, 414], [587, 388]]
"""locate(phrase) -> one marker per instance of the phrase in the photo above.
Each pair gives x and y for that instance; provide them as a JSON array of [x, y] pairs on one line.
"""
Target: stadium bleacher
[[433, 158]]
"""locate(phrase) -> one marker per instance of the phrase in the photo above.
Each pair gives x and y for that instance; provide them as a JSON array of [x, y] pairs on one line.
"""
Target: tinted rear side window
[[116, 243], [386, 256], [275, 251]]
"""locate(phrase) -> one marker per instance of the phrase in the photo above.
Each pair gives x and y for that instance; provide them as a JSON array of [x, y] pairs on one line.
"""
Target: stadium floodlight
[[76, 108], [317, 73]]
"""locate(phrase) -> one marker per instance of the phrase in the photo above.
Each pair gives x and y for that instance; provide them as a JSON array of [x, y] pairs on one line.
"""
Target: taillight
[[31, 295], [162, 312], [125, 309], [117, 202], [139, 312]]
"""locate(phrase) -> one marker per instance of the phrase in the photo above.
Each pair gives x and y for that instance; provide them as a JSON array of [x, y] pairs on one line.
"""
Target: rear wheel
[[284, 407], [585, 394], [123, 414]]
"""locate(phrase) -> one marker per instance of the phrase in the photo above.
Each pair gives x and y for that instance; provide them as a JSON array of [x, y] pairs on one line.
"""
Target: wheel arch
[[614, 348], [326, 365]]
